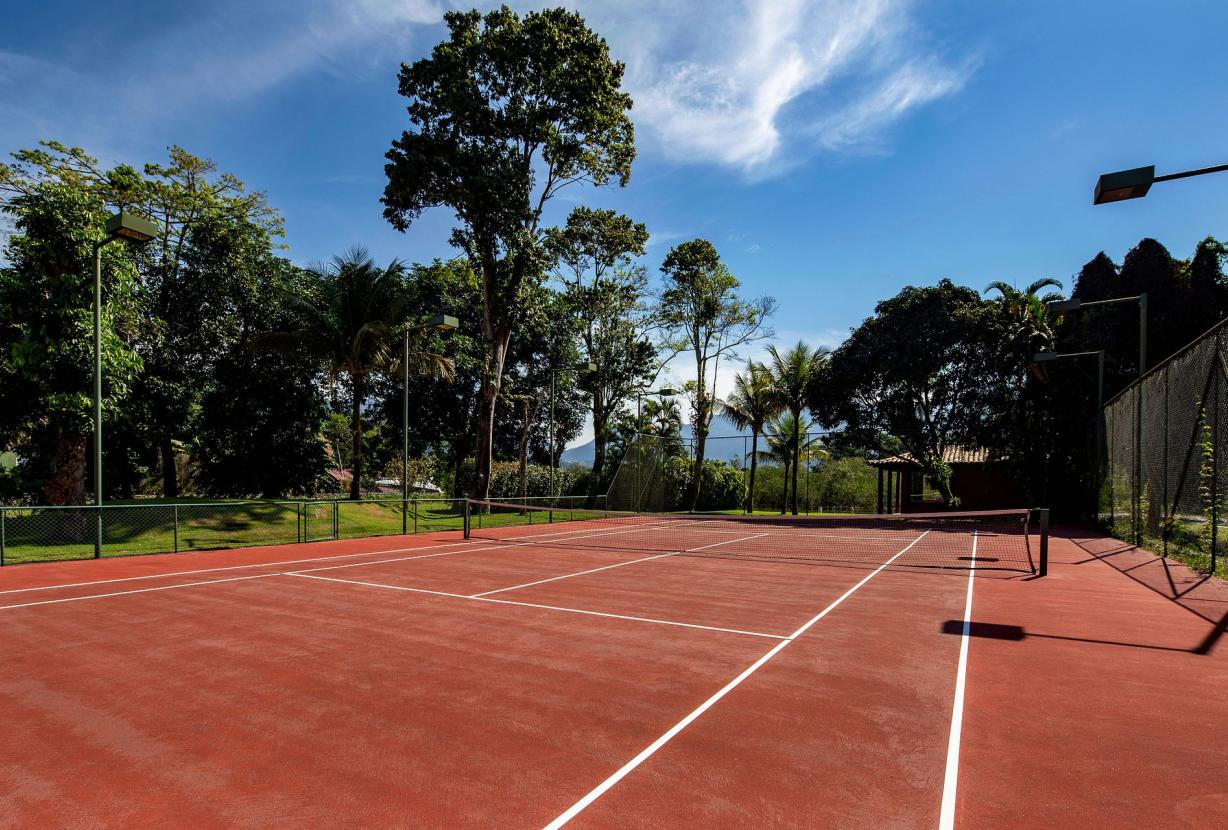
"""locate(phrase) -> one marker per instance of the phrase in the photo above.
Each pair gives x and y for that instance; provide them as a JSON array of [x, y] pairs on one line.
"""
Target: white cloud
[[748, 84]]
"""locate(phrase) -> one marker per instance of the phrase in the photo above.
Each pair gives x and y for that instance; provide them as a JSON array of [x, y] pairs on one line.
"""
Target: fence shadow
[[1199, 594]]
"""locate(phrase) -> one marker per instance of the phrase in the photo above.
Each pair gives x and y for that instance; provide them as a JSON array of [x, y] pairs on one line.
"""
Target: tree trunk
[[797, 456], [754, 468], [784, 502], [356, 424], [67, 482], [170, 474], [701, 438], [492, 379], [599, 426], [524, 448]]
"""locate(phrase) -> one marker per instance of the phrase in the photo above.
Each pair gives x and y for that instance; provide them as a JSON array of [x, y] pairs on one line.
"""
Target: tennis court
[[602, 670]]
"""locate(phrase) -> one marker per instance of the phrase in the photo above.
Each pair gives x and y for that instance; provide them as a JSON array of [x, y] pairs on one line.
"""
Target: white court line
[[617, 565], [226, 567], [259, 565], [298, 561], [946, 818], [478, 598], [575, 809], [136, 591]]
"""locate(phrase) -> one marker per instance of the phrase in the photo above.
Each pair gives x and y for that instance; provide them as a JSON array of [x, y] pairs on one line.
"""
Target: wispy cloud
[[753, 85], [748, 84], [225, 53]]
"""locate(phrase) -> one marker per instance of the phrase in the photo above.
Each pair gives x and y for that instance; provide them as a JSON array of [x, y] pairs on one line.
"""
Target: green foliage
[[505, 112], [606, 295], [505, 480], [348, 319], [46, 325], [921, 370], [701, 313], [723, 487]]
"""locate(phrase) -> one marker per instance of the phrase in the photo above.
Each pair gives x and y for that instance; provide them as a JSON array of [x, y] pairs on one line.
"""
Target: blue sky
[[833, 151]]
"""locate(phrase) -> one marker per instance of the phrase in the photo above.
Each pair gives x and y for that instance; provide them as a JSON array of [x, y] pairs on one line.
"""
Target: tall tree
[[754, 401], [183, 315], [349, 321], [791, 372], [1207, 300], [914, 370], [702, 315], [505, 113], [46, 329], [593, 254]]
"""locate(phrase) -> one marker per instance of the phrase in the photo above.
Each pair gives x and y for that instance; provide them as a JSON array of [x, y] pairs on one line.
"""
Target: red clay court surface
[[433, 682]]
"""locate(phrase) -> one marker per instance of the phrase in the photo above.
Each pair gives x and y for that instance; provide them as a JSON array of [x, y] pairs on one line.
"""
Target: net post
[[175, 522], [1043, 515], [467, 520]]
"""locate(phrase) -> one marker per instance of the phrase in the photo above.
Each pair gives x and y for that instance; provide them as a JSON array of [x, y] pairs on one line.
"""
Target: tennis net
[[1003, 540]]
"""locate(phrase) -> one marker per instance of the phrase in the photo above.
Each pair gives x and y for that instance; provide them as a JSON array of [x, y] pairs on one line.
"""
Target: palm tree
[[1027, 318], [352, 324], [779, 431], [791, 373], [663, 418], [754, 400]]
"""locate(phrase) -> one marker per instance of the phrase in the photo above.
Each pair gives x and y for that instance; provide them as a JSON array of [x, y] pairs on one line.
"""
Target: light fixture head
[[1064, 306], [1124, 184], [1044, 357], [131, 226], [443, 322]]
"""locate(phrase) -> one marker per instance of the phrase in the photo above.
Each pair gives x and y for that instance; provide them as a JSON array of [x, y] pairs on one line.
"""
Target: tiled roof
[[952, 455]]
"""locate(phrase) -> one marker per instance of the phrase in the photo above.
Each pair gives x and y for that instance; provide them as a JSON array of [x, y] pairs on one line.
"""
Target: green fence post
[[176, 523], [98, 533], [415, 504], [404, 516], [336, 520], [1, 537]]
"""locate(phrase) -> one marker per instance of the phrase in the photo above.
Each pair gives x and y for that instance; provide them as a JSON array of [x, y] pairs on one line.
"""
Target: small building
[[978, 483]]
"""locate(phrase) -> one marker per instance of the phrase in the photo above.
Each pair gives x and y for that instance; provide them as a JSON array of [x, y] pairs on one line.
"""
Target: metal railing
[[53, 533]]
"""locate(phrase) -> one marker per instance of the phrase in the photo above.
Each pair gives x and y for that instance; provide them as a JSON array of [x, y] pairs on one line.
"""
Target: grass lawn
[[163, 526]]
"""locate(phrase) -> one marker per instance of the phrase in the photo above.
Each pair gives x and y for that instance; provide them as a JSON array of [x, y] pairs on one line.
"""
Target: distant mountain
[[725, 443]]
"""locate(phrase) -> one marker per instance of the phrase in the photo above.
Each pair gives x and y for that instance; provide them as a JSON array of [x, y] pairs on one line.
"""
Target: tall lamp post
[[1068, 306], [1049, 357], [440, 323], [588, 367], [136, 229]]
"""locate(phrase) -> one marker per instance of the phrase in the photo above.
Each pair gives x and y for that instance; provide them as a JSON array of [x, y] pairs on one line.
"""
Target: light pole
[[1134, 184], [1048, 357], [1068, 306], [589, 367], [440, 323], [135, 229]]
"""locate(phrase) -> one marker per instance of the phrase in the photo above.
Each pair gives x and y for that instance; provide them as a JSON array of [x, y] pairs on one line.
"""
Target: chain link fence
[[1166, 466], [646, 481], [49, 534]]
